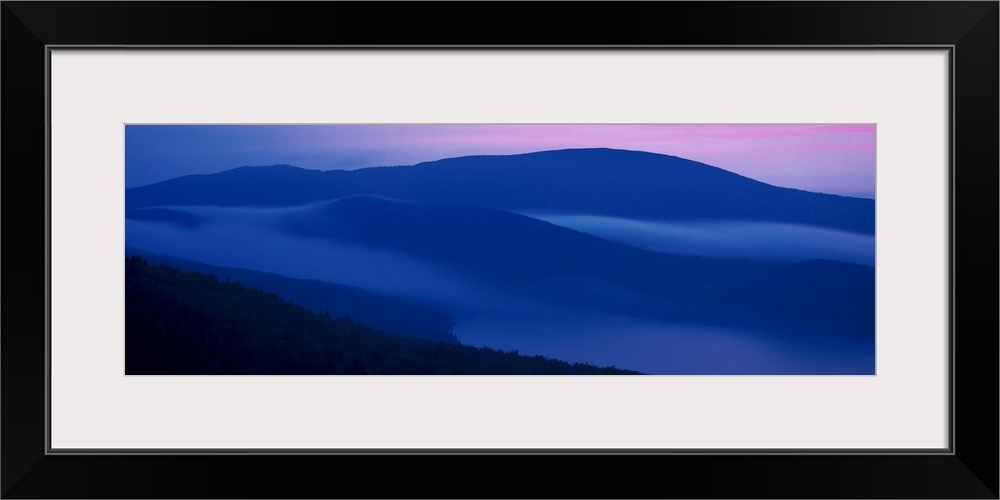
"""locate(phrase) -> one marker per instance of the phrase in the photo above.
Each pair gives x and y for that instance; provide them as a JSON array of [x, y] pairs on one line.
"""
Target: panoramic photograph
[[468, 249]]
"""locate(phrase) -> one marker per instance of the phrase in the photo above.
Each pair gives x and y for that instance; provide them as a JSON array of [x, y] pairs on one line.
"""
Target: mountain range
[[400, 235], [610, 182]]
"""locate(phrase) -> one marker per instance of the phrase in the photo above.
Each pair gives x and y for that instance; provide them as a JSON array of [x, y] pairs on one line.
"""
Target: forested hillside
[[192, 323]]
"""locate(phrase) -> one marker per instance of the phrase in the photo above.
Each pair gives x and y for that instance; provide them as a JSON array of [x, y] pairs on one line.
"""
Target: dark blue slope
[[178, 217], [396, 316], [272, 186], [577, 181], [552, 263]]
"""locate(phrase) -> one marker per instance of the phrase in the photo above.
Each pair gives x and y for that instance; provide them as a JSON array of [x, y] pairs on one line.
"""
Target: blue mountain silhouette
[[610, 182]]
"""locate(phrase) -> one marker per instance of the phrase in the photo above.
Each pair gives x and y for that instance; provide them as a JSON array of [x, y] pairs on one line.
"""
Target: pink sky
[[838, 159]]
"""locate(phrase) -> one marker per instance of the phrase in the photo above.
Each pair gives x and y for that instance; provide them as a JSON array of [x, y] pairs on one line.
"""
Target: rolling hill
[[589, 181]]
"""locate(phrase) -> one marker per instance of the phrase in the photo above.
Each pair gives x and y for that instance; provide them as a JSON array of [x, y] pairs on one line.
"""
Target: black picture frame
[[970, 29]]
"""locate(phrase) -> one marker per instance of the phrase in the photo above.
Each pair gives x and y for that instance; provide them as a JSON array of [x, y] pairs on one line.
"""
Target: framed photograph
[[688, 257], [527, 249]]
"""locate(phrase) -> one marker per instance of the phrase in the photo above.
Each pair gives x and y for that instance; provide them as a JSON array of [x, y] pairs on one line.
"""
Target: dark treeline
[[397, 316], [192, 323]]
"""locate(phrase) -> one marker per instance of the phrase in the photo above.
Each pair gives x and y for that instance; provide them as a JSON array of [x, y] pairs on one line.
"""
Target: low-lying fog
[[485, 315], [229, 238], [657, 347], [726, 239]]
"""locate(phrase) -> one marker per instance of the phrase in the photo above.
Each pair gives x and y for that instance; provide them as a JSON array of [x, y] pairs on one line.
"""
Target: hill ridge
[[597, 181]]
